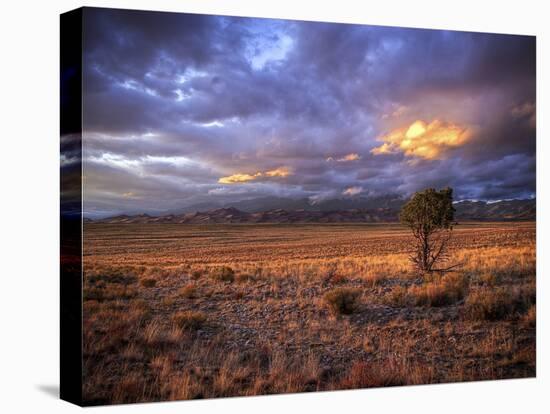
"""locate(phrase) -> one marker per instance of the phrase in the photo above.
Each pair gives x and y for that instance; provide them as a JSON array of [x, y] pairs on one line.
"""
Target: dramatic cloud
[[346, 158], [352, 191], [429, 141], [185, 110], [238, 178], [243, 178]]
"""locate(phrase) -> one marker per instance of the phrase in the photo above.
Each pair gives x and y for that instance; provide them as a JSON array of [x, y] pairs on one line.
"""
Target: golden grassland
[[185, 311]]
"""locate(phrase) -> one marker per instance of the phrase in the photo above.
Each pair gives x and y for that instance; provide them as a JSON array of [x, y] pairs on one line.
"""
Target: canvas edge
[[71, 206]]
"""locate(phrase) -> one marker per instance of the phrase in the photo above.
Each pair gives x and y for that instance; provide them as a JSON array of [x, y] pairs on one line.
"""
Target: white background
[[29, 191]]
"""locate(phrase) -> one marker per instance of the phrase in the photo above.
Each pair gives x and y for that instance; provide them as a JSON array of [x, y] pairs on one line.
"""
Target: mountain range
[[360, 210]]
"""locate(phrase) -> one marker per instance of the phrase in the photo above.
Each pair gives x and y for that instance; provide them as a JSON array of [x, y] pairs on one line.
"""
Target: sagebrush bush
[[188, 291], [148, 282], [398, 296], [189, 320], [196, 274], [342, 300], [223, 274]]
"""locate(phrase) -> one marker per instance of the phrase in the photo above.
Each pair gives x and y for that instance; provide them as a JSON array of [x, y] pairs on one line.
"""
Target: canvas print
[[276, 206]]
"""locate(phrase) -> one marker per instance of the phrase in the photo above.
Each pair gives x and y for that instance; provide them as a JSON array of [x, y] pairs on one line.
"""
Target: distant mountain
[[507, 210], [257, 205], [233, 215], [500, 210]]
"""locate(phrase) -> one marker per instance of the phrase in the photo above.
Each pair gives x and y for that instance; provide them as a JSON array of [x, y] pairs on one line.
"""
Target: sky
[[181, 109]]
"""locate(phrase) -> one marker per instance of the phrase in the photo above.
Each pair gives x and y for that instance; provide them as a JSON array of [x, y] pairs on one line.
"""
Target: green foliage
[[430, 216], [429, 210]]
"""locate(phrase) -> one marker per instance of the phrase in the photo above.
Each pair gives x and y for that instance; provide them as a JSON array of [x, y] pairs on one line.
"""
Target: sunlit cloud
[[279, 172], [239, 178], [345, 158], [352, 191], [422, 140], [181, 127], [244, 177], [349, 157]]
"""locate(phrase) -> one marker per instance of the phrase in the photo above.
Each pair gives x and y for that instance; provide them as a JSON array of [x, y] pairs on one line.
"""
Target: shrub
[[440, 291], [445, 291], [196, 275], [148, 282], [188, 291], [245, 277], [190, 320], [429, 214], [342, 300], [496, 304], [398, 296], [168, 301], [223, 274]]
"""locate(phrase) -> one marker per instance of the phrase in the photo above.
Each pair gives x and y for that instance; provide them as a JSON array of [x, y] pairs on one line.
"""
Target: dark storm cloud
[[182, 108]]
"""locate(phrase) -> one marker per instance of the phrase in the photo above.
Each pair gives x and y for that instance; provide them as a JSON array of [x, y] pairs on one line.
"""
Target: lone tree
[[430, 216]]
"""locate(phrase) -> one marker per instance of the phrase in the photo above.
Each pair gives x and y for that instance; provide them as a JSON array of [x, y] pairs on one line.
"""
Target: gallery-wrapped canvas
[[259, 206]]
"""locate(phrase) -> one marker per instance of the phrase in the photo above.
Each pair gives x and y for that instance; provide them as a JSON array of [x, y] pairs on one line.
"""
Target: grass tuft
[[342, 300], [190, 320], [223, 274], [188, 291], [496, 304]]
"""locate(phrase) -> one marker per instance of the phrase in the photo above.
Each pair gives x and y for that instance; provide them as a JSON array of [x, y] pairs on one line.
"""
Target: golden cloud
[[345, 158], [243, 177], [279, 172], [422, 140], [238, 178], [352, 191], [349, 157]]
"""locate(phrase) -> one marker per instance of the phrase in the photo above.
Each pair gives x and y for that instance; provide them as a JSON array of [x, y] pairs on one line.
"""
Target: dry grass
[[189, 320], [439, 291], [498, 303], [530, 318], [389, 373], [443, 291], [198, 335], [188, 291]]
